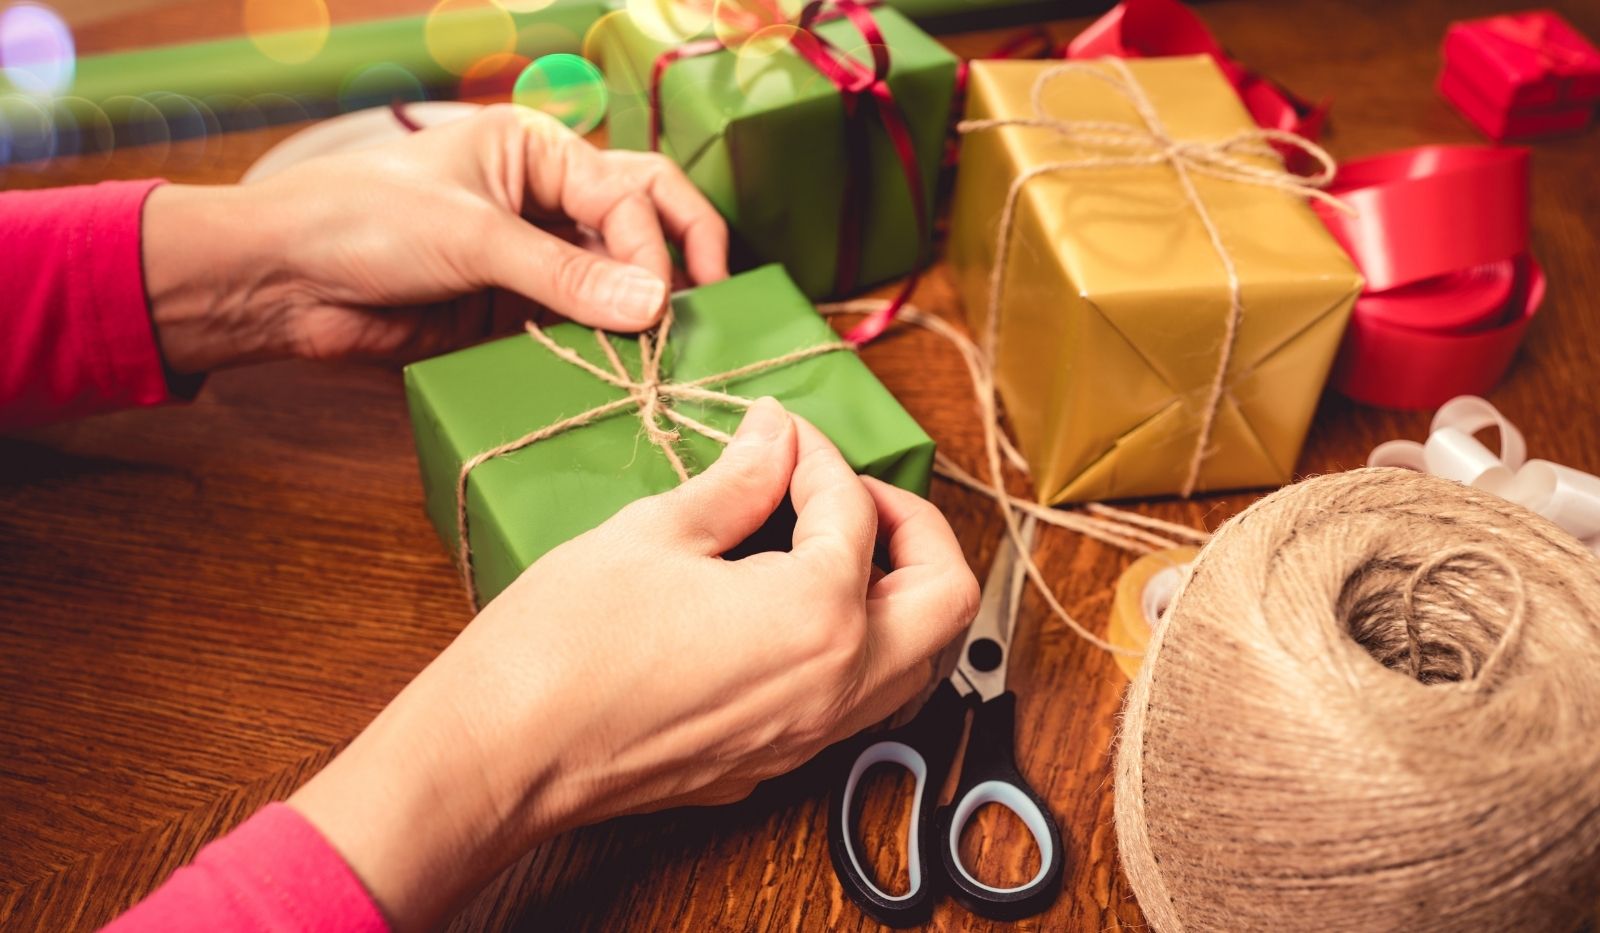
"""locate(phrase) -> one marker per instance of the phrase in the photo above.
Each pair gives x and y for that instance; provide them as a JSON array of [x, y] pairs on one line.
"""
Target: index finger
[[929, 596], [835, 522], [685, 212], [566, 173]]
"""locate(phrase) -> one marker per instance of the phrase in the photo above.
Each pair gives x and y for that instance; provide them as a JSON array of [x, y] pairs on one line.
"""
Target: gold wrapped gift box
[[1115, 299]]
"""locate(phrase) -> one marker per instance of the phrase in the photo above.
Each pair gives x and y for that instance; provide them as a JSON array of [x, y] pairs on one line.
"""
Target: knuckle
[[643, 167], [832, 634], [656, 162], [965, 594], [636, 520], [577, 275]]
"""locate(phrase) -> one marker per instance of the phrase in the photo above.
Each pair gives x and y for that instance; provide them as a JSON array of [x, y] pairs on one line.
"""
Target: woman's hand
[[633, 669], [387, 252]]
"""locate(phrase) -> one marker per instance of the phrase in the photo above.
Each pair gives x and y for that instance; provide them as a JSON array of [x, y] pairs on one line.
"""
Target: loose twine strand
[[1129, 531]]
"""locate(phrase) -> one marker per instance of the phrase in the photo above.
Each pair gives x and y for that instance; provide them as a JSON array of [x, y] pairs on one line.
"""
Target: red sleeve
[[274, 873], [75, 331]]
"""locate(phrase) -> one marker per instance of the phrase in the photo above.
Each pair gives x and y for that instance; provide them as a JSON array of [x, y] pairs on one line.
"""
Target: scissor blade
[[982, 665]]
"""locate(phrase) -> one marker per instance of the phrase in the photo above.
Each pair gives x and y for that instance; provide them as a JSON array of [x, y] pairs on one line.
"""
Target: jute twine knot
[[1111, 144], [650, 395], [1372, 705]]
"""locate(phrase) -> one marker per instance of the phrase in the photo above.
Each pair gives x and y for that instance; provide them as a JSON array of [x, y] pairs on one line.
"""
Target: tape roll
[[1143, 592]]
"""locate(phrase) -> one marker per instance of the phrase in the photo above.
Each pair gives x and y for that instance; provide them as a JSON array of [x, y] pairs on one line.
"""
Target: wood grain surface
[[199, 605]]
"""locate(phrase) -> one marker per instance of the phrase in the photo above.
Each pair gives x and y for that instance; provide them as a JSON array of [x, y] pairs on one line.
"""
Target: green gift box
[[765, 136], [522, 504]]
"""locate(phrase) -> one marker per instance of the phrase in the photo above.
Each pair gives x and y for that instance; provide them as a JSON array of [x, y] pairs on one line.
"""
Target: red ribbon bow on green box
[[867, 98]]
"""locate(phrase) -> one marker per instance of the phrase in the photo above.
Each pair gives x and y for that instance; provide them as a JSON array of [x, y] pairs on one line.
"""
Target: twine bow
[[650, 395], [1113, 144]]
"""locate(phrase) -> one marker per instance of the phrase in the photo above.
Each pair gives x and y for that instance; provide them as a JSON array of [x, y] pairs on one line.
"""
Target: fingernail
[[762, 424], [640, 295]]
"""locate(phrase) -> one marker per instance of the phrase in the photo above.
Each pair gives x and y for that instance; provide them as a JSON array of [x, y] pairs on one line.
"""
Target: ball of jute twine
[[1373, 705]]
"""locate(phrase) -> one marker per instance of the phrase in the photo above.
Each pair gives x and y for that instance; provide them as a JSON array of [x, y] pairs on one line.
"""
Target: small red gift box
[[1521, 74]]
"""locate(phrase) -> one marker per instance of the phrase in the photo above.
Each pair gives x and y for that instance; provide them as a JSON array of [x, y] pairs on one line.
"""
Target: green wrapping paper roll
[[522, 504], [223, 72]]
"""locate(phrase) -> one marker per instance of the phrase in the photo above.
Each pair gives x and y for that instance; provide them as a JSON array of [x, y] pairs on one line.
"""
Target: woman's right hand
[[633, 669]]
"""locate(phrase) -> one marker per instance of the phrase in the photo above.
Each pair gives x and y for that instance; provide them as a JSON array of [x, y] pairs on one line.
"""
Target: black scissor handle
[[989, 775], [924, 746]]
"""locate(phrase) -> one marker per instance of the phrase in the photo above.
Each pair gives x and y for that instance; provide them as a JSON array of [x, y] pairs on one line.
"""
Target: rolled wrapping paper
[[1568, 497], [354, 65], [1371, 706], [1143, 593], [1440, 234]]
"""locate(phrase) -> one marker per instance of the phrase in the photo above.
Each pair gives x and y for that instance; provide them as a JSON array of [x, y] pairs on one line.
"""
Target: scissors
[[926, 746]]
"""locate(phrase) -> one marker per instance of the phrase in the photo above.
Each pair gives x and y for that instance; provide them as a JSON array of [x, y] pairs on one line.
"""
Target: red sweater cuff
[[274, 872], [75, 330]]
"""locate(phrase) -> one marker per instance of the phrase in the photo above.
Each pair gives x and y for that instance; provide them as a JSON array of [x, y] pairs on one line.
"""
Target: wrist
[[432, 799], [214, 278]]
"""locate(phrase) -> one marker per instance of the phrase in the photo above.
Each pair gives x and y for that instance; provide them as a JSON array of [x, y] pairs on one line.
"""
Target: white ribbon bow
[[1568, 497]]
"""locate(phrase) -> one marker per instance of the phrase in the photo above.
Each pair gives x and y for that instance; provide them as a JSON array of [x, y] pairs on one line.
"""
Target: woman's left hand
[[386, 253]]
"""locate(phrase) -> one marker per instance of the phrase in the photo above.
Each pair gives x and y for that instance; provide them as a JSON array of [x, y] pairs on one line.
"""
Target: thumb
[[729, 501], [582, 285]]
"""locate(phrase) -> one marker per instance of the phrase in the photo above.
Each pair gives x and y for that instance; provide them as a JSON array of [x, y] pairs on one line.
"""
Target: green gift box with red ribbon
[[818, 140]]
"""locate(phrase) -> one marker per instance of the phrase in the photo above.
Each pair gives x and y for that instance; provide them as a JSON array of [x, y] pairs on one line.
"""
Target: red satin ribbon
[[867, 98], [1441, 235], [1152, 28], [1430, 210]]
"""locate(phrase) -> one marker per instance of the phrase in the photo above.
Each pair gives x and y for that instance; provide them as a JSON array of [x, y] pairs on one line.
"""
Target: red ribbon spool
[[1441, 233], [867, 98]]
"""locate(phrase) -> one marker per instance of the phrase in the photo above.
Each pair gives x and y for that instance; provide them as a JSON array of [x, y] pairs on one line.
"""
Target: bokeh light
[[82, 128], [27, 135], [493, 78], [621, 82], [538, 39], [288, 31], [671, 21], [235, 113], [280, 108], [186, 117], [568, 87], [523, 6], [736, 22], [140, 127], [37, 54], [378, 86], [758, 72], [461, 33]]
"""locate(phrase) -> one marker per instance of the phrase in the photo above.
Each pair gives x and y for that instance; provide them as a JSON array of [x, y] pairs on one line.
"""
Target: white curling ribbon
[[1568, 497]]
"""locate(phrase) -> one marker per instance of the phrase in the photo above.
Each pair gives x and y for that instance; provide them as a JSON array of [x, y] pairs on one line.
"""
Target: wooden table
[[199, 605]]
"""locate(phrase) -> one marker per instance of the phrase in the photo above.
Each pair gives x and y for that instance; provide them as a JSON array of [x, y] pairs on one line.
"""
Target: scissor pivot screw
[[984, 655]]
